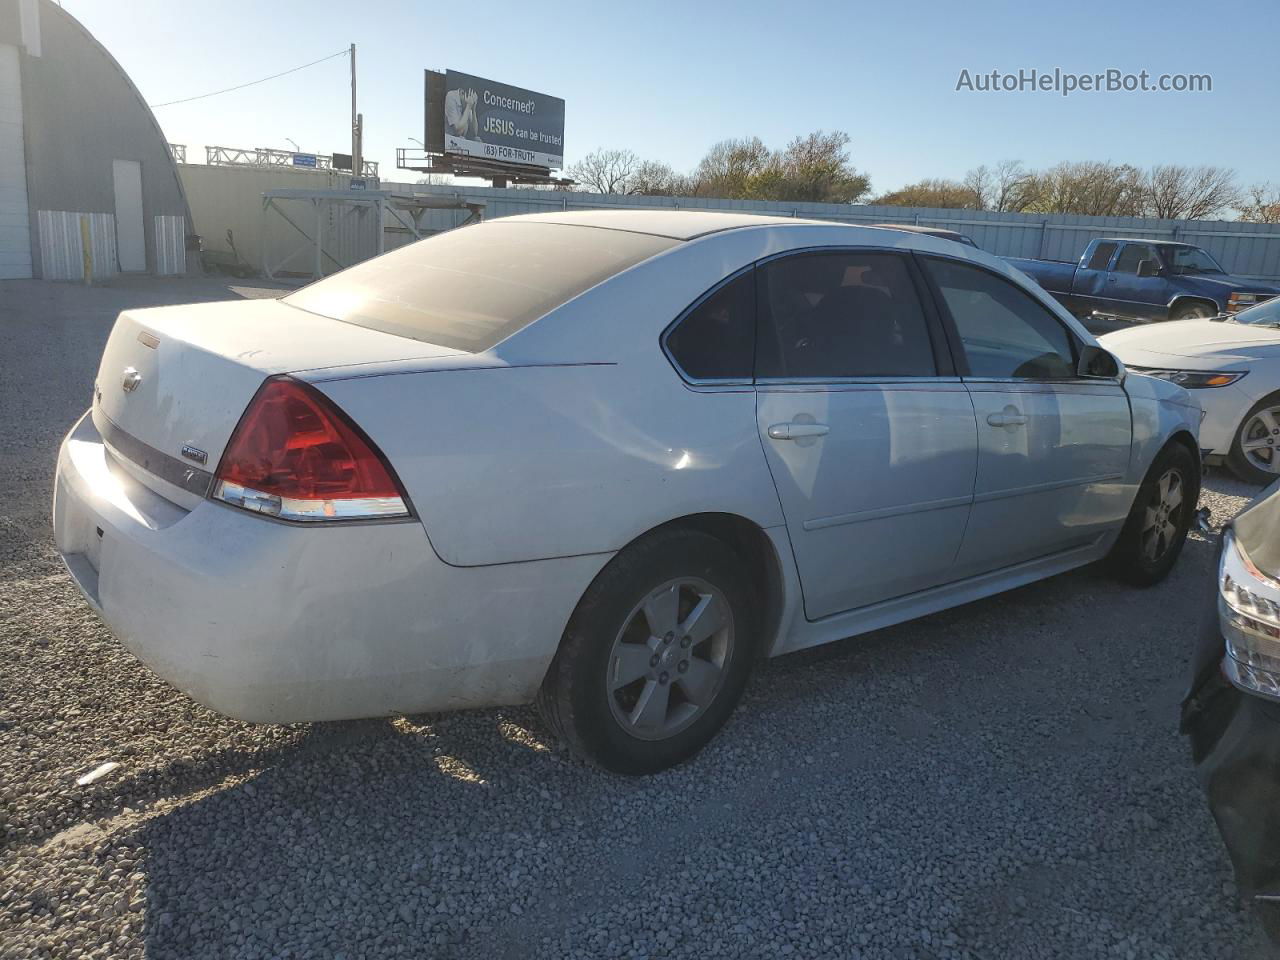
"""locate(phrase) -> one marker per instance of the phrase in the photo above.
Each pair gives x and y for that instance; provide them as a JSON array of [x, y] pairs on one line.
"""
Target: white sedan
[[607, 460], [1232, 366]]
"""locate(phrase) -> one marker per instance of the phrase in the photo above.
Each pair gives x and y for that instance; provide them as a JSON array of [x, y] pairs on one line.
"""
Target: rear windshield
[[469, 288]]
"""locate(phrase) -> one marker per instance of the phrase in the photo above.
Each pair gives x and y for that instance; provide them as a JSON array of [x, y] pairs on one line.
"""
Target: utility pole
[[357, 163]]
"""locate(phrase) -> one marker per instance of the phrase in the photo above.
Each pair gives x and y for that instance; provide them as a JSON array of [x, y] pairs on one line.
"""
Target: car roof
[[914, 228], [1163, 243], [676, 224]]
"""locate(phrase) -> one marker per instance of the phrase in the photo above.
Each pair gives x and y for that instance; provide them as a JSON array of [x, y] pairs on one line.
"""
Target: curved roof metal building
[[80, 153]]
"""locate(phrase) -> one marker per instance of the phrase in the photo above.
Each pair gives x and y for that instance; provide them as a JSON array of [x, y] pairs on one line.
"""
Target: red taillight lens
[[294, 455]]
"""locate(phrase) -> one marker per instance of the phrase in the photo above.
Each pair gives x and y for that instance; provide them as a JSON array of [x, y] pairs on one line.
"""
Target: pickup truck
[[1145, 280]]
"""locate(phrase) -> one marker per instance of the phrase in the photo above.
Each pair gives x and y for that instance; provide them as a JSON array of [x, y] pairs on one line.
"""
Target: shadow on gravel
[[175, 779], [367, 839]]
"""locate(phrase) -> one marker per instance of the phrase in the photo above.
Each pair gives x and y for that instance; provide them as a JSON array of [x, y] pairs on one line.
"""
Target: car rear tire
[[656, 655], [1195, 310], [1156, 528], [1255, 450]]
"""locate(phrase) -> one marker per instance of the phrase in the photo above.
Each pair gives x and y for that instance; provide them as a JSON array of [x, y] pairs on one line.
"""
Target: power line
[[340, 53]]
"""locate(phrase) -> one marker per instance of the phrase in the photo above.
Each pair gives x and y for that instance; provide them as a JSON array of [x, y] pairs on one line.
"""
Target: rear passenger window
[[841, 314], [1101, 256], [716, 339]]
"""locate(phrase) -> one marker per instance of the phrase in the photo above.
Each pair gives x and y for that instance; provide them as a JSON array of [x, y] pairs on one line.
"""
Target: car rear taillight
[[294, 455]]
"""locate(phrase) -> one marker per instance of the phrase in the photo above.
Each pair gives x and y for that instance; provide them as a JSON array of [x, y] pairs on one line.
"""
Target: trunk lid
[[174, 381]]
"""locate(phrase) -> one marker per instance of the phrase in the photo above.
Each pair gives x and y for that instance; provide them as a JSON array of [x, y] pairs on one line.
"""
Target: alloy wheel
[[670, 658], [1160, 520], [1260, 440]]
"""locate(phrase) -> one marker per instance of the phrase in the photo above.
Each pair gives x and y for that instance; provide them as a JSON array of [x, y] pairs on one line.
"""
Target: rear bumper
[[268, 621]]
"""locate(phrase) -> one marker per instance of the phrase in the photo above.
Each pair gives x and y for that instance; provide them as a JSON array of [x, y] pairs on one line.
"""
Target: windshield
[[1264, 314], [472, 287], [1183, 260]]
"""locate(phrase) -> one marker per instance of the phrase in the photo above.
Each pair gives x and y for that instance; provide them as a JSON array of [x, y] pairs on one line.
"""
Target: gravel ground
[[1001, 780]]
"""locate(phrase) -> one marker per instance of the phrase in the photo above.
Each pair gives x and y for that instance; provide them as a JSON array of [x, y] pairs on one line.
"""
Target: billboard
[[471, 116]]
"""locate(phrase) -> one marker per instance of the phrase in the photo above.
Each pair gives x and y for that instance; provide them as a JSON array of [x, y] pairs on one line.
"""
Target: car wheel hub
[[1160, 519], [1258, 440], [668, 661]]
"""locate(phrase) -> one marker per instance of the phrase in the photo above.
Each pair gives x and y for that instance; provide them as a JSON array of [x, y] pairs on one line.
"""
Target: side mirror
[[1098, 363], [1148, 268]]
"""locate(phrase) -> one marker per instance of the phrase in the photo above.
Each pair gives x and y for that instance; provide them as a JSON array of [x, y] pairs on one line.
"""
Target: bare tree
[[605, 171], [657, 179], [980, 182], [1010, 183], [731, 168], [1175, 192], [1093, 187], [1260, 204]]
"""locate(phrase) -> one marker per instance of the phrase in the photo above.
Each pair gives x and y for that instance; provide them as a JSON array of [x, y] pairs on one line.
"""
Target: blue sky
[[669, 79]]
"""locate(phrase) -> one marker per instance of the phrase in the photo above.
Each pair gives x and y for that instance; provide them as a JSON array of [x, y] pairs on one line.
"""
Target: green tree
[[933, 192], [816, 167]]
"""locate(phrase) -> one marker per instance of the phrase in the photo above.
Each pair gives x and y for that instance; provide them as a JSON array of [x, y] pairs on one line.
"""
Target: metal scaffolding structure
[[498, 173], [287, 159], [332, 229]]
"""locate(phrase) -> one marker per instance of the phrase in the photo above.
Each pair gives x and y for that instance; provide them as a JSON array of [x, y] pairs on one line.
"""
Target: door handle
[[1010, 418], [798, 431]]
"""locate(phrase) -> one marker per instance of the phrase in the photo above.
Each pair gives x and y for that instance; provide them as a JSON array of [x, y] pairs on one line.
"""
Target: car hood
[[1228, 283], [1257, 526], [1195, 339]]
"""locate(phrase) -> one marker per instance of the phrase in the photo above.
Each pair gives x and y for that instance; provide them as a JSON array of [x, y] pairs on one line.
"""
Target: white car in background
[[606, 459], [1231, 364]]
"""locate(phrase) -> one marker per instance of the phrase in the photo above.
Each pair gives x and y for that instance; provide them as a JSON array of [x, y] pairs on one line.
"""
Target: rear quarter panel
[[524, 463], [1053, 276]]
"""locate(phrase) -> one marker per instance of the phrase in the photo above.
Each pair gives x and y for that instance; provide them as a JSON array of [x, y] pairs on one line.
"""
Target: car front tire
[[1257, 439], [656, 655], [1158, 521], [1192, 311]]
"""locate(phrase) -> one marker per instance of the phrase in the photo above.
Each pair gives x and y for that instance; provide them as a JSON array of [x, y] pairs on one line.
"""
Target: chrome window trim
[[1006, 382], [753, 380], [836, 248], [718, 386], [853, 381]]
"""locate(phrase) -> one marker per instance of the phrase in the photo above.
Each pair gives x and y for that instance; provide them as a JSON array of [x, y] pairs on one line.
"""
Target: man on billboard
[[460, 114]]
